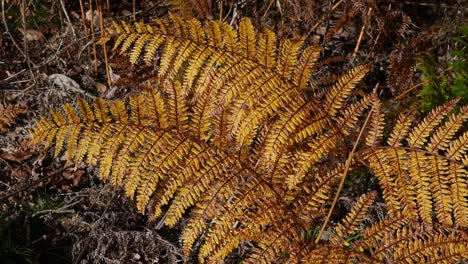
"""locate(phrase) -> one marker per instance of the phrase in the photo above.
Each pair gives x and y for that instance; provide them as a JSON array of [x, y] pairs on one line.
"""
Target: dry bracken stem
[[142, 10], [134, 10], [335, 6], [347, 165], [268, 8], [362, 31], [26, 48], [68, 18], [104, 47], [92, 34], [410, 89], [220, 10], [7, 30], [85, 28]]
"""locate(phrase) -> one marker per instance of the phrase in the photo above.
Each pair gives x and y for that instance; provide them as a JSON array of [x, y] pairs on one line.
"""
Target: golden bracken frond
[[228, 133], [426, 178]]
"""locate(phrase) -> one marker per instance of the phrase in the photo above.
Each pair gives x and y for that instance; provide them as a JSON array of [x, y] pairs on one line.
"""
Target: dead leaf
[[75, 176], [20, 172], [18, 154], [101, 88], [31, 35], [78, 175], [9, 113]]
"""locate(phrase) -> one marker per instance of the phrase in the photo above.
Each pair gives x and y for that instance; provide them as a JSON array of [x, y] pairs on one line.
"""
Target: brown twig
[[108, 7], [220, 10], [7, 31], [268, 8], [343, 177], [25, 42], [411, 89], [134, 10], [93, 39], [34, 183], [366, 21], [85, 28], [329, 13], [101, 26], [68, 18]]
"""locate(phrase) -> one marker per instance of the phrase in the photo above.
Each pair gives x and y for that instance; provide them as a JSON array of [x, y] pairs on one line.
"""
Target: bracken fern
[[228, 132]]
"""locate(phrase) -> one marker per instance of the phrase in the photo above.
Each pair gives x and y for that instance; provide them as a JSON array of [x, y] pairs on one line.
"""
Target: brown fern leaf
[[285, 228], [427, 178], [349, 225], [376, 125], [416, 243], [9, 113]]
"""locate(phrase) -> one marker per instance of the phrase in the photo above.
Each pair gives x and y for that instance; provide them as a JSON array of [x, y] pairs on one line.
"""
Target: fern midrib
[[148, 151], [454, 124], [227, 91], [306, 103], [459, 196], [441, 112], [200, 179], [462, 145], [415, 149], [426, 247], [127, 147], [249, 119], [400, 135], [393, 243], [305, 199], [176, 108], [439, 192], [270, 245], [215, 194], [406, 193]]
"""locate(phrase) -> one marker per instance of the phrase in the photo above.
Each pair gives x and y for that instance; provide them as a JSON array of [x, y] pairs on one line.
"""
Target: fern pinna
[[228, 132]]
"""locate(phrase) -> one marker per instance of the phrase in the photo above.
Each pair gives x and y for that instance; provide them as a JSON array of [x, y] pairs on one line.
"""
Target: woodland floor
[[54, 213]]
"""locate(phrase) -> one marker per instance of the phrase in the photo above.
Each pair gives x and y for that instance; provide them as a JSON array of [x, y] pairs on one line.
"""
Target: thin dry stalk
[[327, 15], [411, 89], [101, 26], [134, 10], [220, 10], [268, 8], [25, 42], [343, 177], [85, 27], [366, 21], [7, 31], [93, 38], [68, 18]]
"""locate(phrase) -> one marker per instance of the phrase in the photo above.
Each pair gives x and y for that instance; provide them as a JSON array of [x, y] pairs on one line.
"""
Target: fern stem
[[362, 32], [412, 88], [104, 47], [326, 15], [347, 165]]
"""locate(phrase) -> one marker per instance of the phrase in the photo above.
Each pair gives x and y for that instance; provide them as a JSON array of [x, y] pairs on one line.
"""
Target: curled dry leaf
[[31, 35], [9, 113]]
